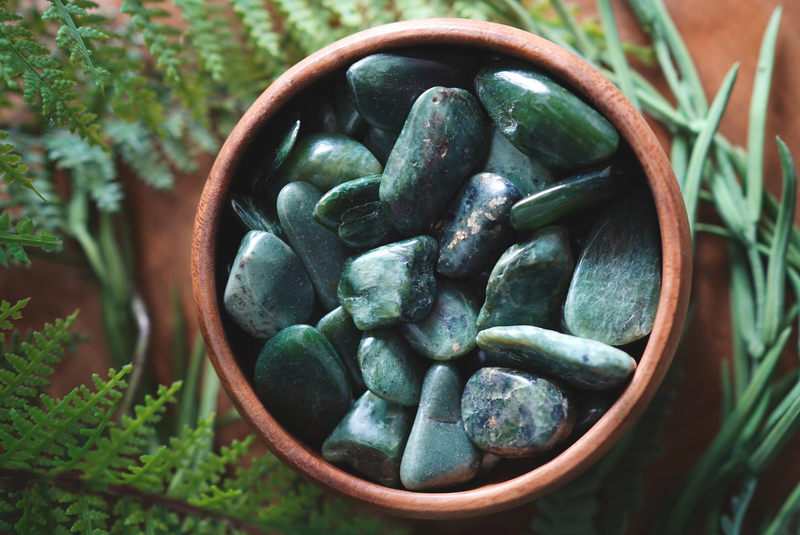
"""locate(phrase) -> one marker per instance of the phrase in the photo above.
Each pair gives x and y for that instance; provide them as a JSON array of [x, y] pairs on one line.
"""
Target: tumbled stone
[[254, 213], [529, 282], [390, 368], [380, 143], [512, 413], [438, 452], [442, 140], [579, 362], [371, 438], [542, 118], [275, 151], [302, 382], [390, 285], [474, 230], [449, 330], [614, 292], [344, 336], [506, 160], [366, 226], [577, 192], [267, 289], [348, 121], [319, 249], [331, 207]]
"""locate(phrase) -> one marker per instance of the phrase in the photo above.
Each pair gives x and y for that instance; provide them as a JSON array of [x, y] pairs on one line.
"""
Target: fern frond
[[206, 37], [348, 12], [11, 168], [309, 26], [22, 236], [160, 38], [259, 25], [135, 144], [10, 312], [421, 9], [732, 525]]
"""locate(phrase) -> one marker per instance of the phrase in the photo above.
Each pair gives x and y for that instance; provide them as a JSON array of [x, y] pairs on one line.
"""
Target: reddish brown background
[[718, 33]]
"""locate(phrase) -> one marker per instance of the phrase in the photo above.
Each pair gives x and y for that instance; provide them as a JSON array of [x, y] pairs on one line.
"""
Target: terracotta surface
[[718, 33]]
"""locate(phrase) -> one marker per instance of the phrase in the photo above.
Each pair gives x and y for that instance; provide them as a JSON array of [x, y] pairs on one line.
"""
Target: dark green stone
[[380, 143], [442, 140], [348, 121], [319, 249], [275, 151], [614, 293], [582, 363], [438, 452], [390, 368], [371, 439], [473, 230], [449, 330], [506, 160], [542, 118], [385, 86], [575, 193], [255, 213], [390, 285], [331, 207], [302, 382], [515, 414], [529, 282], [591, 407], [267, 289], [344, 336], [366, 226]]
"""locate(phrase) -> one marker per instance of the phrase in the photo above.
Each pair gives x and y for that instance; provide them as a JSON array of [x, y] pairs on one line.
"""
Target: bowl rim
[[672, 306]]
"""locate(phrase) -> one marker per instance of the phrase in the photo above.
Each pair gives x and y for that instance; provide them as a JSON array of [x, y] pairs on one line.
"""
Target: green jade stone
[[582, 363], [319, 249], [450, 329], [390, 368], [542, 118], [277, 149], [348, 121], [529, 283], [267, 289], [380, 143], [344, 336], [371, 438], [442, 140], [506, 160], [366, 226], [474, 230], [614, 292], [390, 285], [331, 207], [564, 198], [302, 382], [254, 213], [512, 413], [438, 452]]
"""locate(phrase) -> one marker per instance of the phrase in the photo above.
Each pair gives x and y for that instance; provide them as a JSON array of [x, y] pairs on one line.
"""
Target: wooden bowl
[[523, 483]]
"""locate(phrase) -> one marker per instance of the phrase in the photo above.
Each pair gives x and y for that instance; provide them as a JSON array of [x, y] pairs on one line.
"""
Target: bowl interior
[[217, 237]]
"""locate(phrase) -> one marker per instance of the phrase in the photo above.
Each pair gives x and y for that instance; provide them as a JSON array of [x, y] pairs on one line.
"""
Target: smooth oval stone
[[385, 86], [473, 230], [390, 368], [276, 151], [614, 292], [380, 143], [438, 452], [254, 213], [515, 414], [319, 249], [371, 438], [391, 284], [338, 327], [506, 160], [366, 226], [575, 193], [542, 118], [331, 207], [267, 288], [579, 362], [449, 330], [302, 382], [528, 284], [443, 138]]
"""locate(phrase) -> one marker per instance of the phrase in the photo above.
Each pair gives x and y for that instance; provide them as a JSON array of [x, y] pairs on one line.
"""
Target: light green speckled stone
[[371, 438], [390, 368], [344, 336], [579, 362], [438, 452], [506, 160]]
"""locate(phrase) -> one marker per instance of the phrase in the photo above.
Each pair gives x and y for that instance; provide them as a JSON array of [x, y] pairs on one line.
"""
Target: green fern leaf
[[732, 525], [421, 9], [309, 26], [135, 144], [160, 38], [7, 311], [260, 28], [11, 168]]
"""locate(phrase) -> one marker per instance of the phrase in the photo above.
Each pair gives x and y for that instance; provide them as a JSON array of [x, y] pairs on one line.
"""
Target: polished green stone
[[331, 207], [474, 230], [344, 336], [319, 249], [528, 284], [366, 226], [302, 382], [348, 121], [614, 292], [542, 118], [582, 363], [442, 140], [390, 285], [506, 160], [438, 452], [390, 368], [380, 143], [371, 438], [512, 413], [275, 151], [577, 192], [267, 288], [449, 330], [255, 213]]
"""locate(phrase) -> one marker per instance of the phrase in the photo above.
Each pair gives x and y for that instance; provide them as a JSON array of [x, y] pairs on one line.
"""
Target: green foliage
[[12, 169], [12, 240], [732, 525]]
